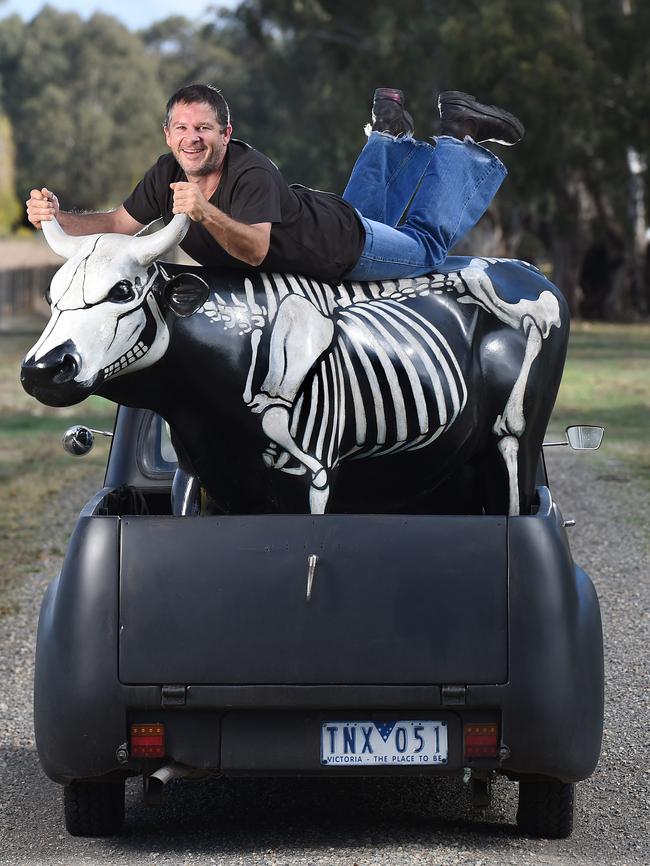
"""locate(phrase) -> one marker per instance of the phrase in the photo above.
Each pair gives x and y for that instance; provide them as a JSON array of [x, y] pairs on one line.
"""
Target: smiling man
[[406, 203], [243, 212]]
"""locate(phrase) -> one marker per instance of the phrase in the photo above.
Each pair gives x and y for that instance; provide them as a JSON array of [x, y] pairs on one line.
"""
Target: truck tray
[[394, 600]]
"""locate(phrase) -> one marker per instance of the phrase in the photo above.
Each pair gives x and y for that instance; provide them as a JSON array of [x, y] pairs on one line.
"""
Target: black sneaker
[[461, 115], [389, 114]]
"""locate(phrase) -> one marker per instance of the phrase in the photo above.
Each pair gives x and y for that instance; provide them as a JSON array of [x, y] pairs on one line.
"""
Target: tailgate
[[395, 599]]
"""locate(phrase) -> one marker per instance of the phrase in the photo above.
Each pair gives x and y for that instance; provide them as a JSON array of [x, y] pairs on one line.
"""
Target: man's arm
[[248, 243], [44, 205]]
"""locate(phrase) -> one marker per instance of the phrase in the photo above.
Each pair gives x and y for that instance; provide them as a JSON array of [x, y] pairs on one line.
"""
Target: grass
[[606, 381], [34, 468]]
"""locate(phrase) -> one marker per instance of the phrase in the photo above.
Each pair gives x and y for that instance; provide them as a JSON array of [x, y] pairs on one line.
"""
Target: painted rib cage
[[390, 384]]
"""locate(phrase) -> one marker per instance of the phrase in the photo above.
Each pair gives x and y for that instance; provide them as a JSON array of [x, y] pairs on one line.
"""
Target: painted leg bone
[[545, 311], [512, 420], [300, 335], [534, 317], [275, 423], [509, 450]]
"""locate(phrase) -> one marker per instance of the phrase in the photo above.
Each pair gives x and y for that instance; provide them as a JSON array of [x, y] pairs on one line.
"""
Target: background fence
[[22, 291]]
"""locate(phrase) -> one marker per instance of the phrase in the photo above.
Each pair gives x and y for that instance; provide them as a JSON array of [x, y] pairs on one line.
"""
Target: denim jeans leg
[[385, 176], [456, 189], [388, 254]]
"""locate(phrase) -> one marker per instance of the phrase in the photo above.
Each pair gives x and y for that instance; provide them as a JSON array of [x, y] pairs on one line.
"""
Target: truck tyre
[[94, 808], [546, 809]]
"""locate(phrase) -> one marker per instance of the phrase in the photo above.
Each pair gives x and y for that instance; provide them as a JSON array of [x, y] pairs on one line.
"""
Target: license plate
[[379, 744]]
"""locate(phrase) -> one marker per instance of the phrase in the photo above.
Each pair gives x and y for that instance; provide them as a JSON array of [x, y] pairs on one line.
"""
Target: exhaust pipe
[[171, 771], [153, 785]]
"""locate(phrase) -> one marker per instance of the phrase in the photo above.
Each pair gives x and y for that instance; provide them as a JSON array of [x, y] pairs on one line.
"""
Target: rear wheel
[[94, 808], [546, 808]]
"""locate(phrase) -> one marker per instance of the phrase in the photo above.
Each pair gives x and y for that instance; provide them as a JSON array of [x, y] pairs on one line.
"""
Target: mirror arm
[[551, 444]]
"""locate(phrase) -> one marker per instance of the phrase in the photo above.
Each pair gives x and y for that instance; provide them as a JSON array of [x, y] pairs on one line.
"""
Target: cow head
[[108, 302]]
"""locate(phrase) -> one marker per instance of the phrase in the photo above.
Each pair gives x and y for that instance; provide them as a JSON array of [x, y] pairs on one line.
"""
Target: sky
[[134, 13]]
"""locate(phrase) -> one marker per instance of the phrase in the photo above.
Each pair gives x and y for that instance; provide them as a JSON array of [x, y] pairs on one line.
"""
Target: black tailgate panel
[[417, 599]]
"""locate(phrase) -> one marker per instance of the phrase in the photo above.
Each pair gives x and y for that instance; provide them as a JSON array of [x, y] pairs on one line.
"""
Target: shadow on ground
[[228, 815]]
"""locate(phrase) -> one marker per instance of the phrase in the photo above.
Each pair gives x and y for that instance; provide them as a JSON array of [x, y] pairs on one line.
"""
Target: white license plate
[[380, 744]]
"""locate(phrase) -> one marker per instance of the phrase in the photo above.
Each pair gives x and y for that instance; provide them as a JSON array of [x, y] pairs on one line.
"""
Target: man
[[406, 203]]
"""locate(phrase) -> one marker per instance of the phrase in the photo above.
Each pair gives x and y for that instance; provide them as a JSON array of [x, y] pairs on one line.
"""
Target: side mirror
[[79, 440], [584, 437]]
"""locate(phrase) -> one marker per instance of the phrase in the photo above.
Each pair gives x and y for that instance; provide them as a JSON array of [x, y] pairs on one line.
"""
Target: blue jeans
[[439, 191]]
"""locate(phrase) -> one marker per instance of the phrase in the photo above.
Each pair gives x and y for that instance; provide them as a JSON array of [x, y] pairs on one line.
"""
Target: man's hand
[[42, 205], [189, 199], [248, 243]]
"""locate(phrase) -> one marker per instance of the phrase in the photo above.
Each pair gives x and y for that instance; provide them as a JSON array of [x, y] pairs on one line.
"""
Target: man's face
[[195, 138]]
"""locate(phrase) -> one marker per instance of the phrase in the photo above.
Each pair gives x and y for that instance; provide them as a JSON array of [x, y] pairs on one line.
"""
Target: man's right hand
[[41, 205]]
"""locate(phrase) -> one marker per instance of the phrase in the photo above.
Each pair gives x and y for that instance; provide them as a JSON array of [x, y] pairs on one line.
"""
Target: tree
[[315, 65], [9, 206], [577, 73], [221, 53], [85, 104]]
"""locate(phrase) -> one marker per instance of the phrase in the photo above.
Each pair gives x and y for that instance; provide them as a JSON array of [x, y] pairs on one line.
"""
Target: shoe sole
[[465, 100], [389, 93]]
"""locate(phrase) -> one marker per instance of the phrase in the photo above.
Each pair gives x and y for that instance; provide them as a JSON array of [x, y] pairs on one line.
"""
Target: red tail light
[[481, 741], [147, 741]]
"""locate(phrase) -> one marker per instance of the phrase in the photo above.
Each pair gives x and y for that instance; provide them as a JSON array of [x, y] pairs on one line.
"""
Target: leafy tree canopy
[[86, 106]]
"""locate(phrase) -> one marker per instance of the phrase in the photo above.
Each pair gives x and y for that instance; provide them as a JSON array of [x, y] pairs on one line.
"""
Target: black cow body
[[198, 386]]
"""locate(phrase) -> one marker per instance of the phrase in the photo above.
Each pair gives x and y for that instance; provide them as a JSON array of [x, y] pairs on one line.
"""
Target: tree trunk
[[567, 261], [637, 167]]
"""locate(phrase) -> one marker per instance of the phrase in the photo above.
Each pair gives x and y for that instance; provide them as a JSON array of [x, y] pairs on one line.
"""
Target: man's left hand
[[189, 199]]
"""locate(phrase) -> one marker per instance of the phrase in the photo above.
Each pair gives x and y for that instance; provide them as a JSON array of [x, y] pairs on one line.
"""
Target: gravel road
[[404, 821]]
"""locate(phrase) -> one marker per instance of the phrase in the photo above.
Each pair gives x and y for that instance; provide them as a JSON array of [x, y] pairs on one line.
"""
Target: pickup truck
[[312, 645]]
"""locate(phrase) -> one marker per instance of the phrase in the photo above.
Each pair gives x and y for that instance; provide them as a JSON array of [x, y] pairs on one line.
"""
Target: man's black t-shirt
[[312, 232]]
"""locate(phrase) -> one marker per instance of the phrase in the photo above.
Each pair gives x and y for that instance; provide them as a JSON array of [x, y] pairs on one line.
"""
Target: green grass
[[34, 468], [607, 382]]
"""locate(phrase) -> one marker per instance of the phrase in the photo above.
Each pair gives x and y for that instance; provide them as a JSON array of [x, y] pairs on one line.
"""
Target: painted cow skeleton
[[308, 378]]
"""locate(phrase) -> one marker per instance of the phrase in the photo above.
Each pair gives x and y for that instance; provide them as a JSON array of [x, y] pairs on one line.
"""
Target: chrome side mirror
[[584, 437], [79, 440], [581, 437]]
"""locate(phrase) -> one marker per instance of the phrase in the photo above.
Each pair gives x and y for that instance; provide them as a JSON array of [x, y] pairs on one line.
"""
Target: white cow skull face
[[106, 320]]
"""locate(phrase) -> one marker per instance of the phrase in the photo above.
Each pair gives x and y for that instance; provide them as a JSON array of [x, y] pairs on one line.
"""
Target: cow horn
[[61, 243], [150, 247]]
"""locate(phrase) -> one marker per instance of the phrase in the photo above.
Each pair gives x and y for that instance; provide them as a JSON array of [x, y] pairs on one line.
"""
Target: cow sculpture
[[285, 394]]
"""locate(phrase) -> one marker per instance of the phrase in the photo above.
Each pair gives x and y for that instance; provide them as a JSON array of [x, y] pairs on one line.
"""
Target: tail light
[[147, 741], [481, 741]]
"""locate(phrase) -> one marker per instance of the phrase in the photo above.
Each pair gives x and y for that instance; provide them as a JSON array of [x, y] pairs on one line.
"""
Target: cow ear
[[184, 294]]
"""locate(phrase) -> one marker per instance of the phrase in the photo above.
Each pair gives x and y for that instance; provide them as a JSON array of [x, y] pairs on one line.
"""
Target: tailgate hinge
[[454, 695], [173, 696]]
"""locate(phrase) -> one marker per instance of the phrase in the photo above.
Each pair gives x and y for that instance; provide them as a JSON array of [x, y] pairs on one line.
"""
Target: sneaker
[[461, 115], [389, 114]]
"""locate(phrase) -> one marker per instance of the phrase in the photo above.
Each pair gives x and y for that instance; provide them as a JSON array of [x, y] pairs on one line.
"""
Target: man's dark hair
[[201, 93]]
